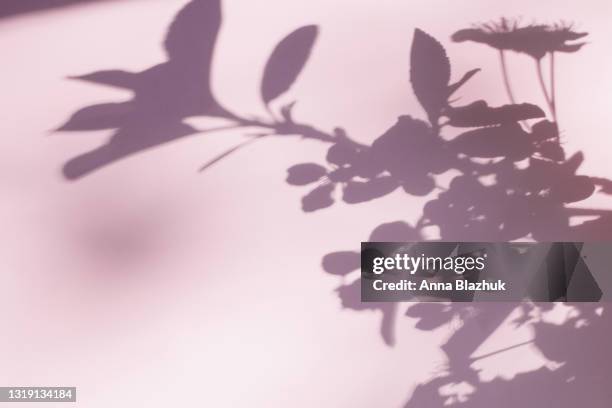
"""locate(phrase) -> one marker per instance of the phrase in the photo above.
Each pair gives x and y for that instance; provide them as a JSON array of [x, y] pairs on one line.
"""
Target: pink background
[[150, 284]]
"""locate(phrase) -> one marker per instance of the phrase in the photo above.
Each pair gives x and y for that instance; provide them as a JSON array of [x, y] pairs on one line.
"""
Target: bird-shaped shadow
[[163, 95]]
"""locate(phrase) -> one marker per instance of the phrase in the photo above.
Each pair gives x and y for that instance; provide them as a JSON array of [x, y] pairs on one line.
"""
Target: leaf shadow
[[517, 145], [163, 95]]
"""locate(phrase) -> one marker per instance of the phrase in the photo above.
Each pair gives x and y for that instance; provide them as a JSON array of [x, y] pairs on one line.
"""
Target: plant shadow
[[515, 180]]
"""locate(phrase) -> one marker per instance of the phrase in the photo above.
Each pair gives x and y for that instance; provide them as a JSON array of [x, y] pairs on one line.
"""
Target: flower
[[535, 40]]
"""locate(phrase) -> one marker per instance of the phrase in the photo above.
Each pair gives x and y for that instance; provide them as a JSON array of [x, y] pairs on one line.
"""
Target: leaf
[[193, 33], [551, 150], [350, 296], [419, 185], [341, 263], [429, 73], [604, 185], [453, 88], [479, 113], [116, 78], [406, 147], [361, 191], [305, 173], [576, 189], [397, 231], [341, 154], [365, 166], [571, 47], [545, 130], [430, 316], [341, 174], [287, 61], [572, 164], [508, 140], [98, 117], [320, 197]]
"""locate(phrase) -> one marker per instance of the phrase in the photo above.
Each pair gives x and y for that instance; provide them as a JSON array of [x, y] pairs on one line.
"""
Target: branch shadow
[[515, 179], [579, 378], [163, 95]]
